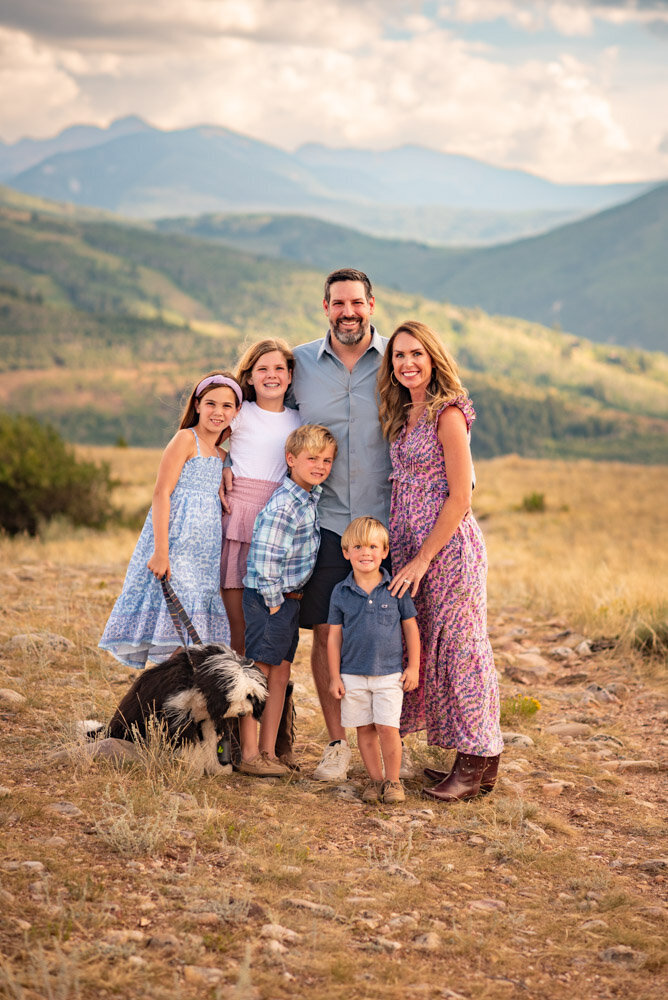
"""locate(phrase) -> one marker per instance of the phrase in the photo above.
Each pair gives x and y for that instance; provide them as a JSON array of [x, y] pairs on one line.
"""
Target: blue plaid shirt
[[285, 542]]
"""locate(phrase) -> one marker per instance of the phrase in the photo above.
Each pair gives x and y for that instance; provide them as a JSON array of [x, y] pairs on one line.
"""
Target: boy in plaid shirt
[[281, 558]]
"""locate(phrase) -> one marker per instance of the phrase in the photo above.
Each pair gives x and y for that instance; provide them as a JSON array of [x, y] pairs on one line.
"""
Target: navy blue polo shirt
[[371, 626]]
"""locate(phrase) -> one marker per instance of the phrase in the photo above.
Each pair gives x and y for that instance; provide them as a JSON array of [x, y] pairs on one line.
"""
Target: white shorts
[[371, 699]]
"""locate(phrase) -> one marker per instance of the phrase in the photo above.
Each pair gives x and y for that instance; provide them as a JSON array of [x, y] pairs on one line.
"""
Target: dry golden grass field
[[144, 881]]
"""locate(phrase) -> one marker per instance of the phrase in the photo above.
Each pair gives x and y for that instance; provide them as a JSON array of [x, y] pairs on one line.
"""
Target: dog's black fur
[[193, 694]]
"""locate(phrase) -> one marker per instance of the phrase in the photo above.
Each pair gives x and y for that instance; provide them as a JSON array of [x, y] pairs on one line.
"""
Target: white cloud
[[373, 73]]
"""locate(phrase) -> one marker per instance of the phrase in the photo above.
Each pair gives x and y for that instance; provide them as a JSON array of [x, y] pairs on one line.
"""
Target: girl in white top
[[257, 451]]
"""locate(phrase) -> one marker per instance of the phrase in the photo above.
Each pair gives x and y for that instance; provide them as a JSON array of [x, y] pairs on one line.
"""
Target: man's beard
[[350, 337]]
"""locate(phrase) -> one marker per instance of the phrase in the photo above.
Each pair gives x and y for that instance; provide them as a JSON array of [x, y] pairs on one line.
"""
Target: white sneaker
[[334, 763], [408, 768]]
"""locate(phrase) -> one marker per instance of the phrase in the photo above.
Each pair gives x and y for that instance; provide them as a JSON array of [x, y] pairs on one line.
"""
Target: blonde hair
[[312, 438], [444, 386], [362, 530], [251, 358], [190, 416]]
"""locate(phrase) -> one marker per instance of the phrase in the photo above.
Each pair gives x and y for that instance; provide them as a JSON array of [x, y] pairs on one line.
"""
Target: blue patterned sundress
[[139, 627]]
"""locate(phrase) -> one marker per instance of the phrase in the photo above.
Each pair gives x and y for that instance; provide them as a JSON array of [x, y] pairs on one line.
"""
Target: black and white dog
[[195, 694]]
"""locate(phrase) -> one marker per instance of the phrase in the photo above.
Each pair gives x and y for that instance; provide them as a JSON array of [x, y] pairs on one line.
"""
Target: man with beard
[[334, 383]]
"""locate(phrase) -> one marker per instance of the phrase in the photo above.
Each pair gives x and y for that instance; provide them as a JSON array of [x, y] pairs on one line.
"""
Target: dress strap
[[196, 440]]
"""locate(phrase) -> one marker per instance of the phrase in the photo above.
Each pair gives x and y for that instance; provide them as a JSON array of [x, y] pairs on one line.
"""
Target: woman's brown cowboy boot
[[462, 783], [487, 781]]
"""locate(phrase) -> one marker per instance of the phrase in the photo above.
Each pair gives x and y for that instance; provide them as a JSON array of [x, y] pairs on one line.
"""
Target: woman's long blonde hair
[[395, 400]]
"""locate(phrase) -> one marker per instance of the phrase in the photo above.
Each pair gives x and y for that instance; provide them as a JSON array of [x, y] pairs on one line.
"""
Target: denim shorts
[[368, 699], [270, 638]]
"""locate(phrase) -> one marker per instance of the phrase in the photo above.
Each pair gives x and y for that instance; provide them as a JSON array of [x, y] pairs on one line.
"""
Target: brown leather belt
[[295, 595]]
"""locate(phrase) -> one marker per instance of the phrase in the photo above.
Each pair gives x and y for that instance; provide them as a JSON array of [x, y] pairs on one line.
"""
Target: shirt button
[[370, 602]]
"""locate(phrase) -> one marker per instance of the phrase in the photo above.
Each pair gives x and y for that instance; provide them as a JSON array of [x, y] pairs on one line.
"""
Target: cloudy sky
[[571, 90]]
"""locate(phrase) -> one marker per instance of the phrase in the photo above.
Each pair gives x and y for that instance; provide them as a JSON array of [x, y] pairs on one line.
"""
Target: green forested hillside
[[603, 277], [103, 325]]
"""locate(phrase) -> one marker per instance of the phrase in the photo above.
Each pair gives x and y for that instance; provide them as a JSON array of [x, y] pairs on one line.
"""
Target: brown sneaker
[[263, 766], [371, 791], [391, 792]]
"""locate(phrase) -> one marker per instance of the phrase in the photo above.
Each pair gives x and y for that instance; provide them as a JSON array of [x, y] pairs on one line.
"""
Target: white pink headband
[[220, 380]]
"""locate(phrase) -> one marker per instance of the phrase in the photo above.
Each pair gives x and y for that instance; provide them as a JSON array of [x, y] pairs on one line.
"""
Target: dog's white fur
[[208, 684]]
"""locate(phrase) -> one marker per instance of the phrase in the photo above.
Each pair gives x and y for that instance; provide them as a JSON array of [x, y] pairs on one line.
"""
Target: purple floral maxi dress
[[457, 700]]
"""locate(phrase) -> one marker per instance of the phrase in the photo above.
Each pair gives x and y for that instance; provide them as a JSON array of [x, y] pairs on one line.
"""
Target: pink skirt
[[247, 498]]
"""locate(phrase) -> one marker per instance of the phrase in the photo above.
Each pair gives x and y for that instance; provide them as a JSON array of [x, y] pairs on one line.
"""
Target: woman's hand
[[409, 576], [159, 566]]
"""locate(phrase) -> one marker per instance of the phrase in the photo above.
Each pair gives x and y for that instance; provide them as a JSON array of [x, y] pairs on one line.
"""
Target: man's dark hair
[[348, 274]]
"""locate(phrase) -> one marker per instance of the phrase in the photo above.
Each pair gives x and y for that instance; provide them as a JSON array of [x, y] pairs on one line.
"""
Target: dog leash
[[178, 614]]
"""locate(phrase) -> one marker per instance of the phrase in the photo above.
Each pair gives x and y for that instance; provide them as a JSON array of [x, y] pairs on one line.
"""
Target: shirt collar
[[376, 344], [305, 496], [350, 582]]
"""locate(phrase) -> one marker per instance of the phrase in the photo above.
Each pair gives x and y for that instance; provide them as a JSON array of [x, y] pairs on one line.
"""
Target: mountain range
[[104, 323], [139, 171], [603, 277]]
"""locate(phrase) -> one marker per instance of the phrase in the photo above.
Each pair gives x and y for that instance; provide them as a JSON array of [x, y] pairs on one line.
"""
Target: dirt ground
[[144, 881]]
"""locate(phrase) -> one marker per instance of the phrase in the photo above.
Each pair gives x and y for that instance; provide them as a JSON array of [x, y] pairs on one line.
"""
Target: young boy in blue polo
[[282, 554], [364, 653]]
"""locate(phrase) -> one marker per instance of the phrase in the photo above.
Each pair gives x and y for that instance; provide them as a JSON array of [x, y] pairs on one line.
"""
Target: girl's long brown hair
[[251, 358], [395, 399], [190, 416]]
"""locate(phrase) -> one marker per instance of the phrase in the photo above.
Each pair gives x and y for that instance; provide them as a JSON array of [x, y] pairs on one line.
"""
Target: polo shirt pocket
[[387, 615]]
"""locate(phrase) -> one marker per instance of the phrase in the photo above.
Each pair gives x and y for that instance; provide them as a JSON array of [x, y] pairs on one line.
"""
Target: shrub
[[533, 502], [517, 708], [40, 478]]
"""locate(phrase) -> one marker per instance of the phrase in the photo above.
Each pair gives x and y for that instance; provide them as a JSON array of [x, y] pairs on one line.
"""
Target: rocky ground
[[143, 881]]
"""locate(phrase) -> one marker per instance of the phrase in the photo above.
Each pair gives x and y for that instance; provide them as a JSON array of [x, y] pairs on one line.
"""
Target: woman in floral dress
[[438, 553]]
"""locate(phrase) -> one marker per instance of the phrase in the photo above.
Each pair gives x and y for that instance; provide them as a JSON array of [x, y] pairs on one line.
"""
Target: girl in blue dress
[[181, 537]]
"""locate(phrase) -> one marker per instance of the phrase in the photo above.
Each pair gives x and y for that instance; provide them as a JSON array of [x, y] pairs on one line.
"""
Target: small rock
[[162, 941], [277, 933], [385, 944], [622, 954], [4, 791], [555, 788], [30, 640], [619, 689], [476, 841], [569, 729], [594, 925], [654, 865], [317, 909], [562, 653], [537, 831], [201, 975], [55, 842], [516, 740], [113, 750], [630, 766], [66, 809], [602, 695], [11, 698], [487, 905], [22, 925], [583, 648], [347, 791], [401, 873], [606, 738], [405, 920], [32, 866], [427, 942], [570, 680]]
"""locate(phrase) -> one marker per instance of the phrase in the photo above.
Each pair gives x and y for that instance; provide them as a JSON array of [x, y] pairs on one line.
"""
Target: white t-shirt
[[257, 442]]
